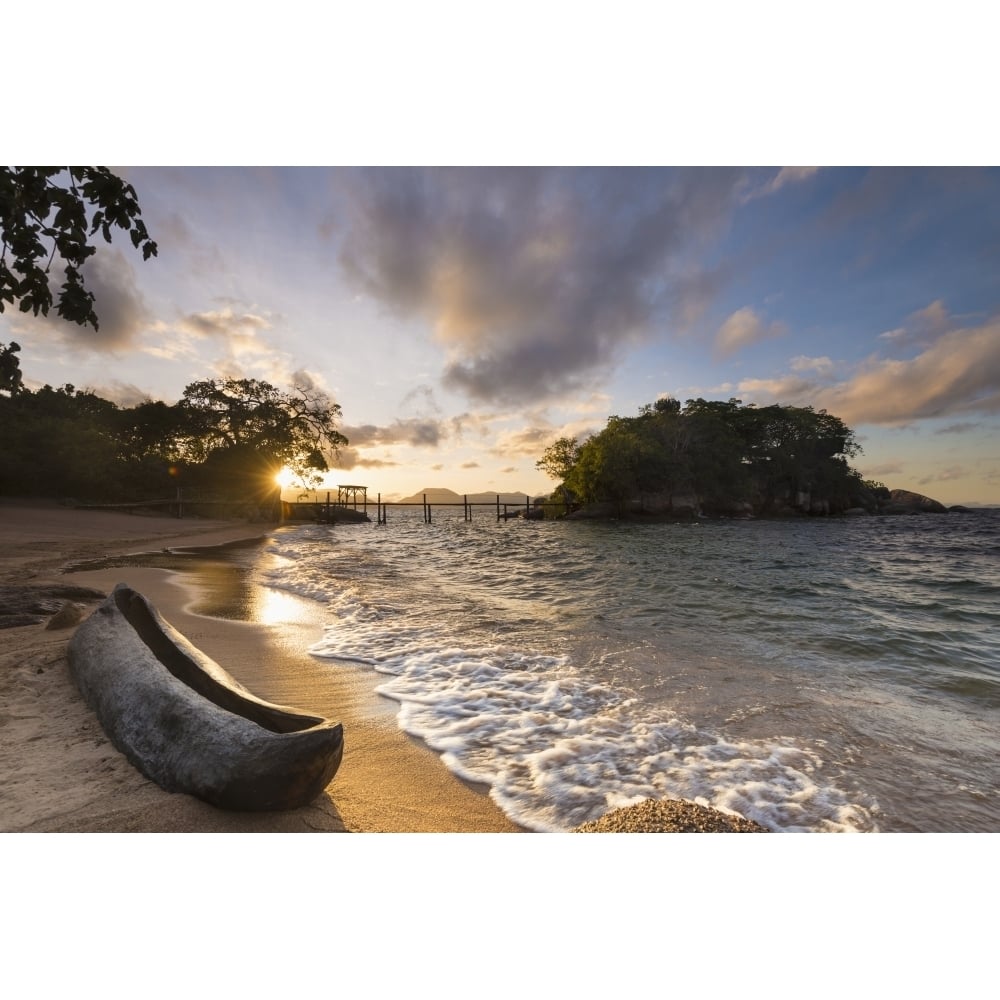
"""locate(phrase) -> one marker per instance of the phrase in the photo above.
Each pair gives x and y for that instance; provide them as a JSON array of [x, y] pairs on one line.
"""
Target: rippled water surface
[[822, 674]]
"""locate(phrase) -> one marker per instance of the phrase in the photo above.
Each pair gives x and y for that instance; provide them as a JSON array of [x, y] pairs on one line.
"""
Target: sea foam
[[556, 747]]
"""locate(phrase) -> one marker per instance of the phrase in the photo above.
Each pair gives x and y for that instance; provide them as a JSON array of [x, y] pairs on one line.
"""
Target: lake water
[[814, 675]]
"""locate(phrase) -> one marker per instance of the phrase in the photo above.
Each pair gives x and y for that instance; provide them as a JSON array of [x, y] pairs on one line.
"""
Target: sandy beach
[[59, 772]]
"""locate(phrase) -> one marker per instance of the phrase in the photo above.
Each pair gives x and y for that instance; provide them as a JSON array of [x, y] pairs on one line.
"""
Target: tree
[[150, 429], [618, 464], [559, 458], [10, 369], [245, 430], [50, 211], [58, 442]]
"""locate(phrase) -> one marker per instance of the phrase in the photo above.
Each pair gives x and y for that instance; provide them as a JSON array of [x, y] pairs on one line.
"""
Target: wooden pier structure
[[351, 505], [503, 510], [349, 494]]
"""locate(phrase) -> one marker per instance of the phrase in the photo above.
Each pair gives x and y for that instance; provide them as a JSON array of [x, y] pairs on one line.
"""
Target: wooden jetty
[[351, 505], [504, 511]]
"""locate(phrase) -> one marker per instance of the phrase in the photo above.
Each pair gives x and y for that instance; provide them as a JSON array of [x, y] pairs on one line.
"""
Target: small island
[[710, 458]]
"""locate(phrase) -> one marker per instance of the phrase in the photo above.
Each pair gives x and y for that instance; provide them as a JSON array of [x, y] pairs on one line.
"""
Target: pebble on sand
[[669, 816]]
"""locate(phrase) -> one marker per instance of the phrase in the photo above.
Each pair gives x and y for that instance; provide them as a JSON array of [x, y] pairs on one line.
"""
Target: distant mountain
[[434, 494], [438, 494]]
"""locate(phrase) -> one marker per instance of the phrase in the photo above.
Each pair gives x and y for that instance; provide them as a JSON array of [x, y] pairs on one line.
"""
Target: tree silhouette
[[10, 369], [50, 212]]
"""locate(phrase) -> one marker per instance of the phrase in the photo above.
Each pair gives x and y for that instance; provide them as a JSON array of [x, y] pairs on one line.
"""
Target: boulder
[[595, 511], [685, 505], [907, 502], [32, 604], [69, 615]]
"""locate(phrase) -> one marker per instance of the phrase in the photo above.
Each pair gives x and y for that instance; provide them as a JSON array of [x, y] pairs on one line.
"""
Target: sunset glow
[[285, 478], [464, 319]]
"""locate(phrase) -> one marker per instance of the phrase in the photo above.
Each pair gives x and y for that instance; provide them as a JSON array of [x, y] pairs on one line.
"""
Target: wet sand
[[58, 771]]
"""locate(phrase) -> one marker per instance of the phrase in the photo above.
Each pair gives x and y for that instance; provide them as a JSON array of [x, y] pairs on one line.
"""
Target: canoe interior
[[148, 627]]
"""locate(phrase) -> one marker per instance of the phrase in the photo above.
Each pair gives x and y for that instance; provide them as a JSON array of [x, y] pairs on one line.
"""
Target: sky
[[466, 318]]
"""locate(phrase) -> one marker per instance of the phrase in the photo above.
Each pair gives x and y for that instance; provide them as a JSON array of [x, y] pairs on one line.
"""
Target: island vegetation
[[714, 458]]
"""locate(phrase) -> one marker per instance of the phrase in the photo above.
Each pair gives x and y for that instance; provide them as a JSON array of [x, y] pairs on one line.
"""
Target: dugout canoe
[[186, 723]]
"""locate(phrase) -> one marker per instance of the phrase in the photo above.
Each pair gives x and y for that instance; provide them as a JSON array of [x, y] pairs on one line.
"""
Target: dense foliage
[[50, 212], [225, 439], [713, 456]]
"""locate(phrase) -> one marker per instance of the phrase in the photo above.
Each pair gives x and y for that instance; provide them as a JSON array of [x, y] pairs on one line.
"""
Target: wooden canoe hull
[[186, 723]]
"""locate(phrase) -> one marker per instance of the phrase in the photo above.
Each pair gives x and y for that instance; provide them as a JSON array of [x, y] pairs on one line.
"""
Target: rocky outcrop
[[33, 604], [857, 501], [906, 502], [596, 512]]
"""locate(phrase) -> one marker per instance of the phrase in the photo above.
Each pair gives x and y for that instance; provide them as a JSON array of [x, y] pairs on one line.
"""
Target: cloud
[[885, 469], [308, 381], [237, 333], [692, 294], [944, 476], [822, 366], [958, 374], [349, 458], [784, 177], [959, 428], [420, 401], [535, 280], [742, 329], [121, 310], [223, 323], [241, 337], [125, 394], [120, 307], [787, 389], [530, 441], [792, 175], [417, 432], [922, 328]]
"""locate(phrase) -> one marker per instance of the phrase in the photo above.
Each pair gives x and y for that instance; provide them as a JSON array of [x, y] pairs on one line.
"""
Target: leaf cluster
[[10, 369], [50, 212]]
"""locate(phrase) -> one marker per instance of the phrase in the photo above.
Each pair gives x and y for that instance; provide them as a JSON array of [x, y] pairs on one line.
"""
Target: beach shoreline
[[59, 771]]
